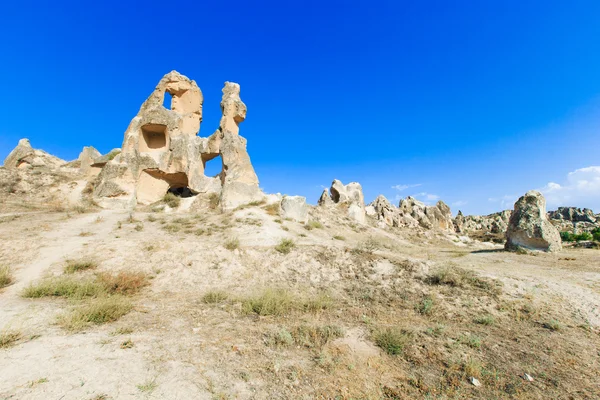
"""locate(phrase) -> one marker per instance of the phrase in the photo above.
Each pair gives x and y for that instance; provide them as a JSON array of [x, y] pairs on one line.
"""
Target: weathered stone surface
[[573, 214], [294, 207], [349, 195], [529, 226], [25, 156], [161, 150], [86, 159], [429, 217]]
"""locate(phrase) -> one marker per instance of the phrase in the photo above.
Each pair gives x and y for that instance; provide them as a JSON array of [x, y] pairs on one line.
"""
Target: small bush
[[6, 276], [99, 311], [553, 325], [310, 225], [472, 341], [124, 282], [63, 286], [171, 200], [485, 320], [425, 307], [285, 246], [72, 266], [567, 236], [9, 339], [391, 340], [458, 277], [214, 296], [232, 244]]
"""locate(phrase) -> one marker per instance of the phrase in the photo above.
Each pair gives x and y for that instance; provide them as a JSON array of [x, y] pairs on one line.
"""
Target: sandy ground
[[184, 349]]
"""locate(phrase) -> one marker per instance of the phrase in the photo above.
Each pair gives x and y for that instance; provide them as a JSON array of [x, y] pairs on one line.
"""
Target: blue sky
[[471, 102]]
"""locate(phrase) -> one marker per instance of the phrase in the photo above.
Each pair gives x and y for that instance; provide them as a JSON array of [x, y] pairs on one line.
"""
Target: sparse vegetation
[[215, 296], [171, 200], [310, 225], [272, 209], [96, 312], [213, 201], [304, 335], [285, 246], [425, 307], [339, 237], [281, 302], [232, 244], [552, 325], [461, 278], [64, 286], [9, 338], [127, 344], [6, 276], [392, 340], [485, 320], [84, 264], [124, 282], [148, 386]]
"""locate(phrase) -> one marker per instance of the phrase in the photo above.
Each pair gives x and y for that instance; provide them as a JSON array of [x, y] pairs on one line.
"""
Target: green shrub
[[392, 340], [285, 246], [567, 236], [584, 236], [425, 307]]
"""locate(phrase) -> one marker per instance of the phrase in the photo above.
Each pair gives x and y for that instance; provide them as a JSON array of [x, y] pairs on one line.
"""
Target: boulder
[[294, 207], [529, 226], [25, 156], [86, 159]]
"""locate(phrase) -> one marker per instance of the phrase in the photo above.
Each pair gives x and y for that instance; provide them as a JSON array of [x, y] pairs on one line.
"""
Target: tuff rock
[[294, 207], [349, 196], [529, 226], [162, 150]]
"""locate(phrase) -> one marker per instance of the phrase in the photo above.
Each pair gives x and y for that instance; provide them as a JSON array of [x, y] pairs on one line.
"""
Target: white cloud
[[404, 187], [581, 189], [459, 203]]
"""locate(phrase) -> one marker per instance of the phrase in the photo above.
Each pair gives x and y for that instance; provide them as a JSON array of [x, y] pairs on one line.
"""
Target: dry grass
[[310, 225], [124, 282], [64, 286], [214, 297], [278, 302], [272, 209], [84, 264], [308, 336], [96, 312], [171, 200], [232, 244], [9, 339], [6, 276]]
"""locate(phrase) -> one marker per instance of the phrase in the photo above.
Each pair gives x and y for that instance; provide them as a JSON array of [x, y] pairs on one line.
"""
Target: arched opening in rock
[[213, 165], [154, 184], [168, 100], [154, 137]]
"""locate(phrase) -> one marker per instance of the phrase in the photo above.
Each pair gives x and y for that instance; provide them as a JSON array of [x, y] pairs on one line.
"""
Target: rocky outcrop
[[574, 220], [348, 196], [429, 217], [529, 226], [86, 160], [162, 151], [25, 156], [295, 208]]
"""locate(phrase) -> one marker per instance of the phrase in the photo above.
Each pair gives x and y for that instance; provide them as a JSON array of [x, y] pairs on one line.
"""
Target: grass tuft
[[310, 225], [6, 276], [392, 340], [232, 244], [124, 282], [171, 200], [63, 286], [99, 311], [285, 246], [214, 297], [72, 266], [9, 339]]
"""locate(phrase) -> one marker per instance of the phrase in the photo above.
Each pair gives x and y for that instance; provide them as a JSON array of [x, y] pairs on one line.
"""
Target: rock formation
[[529, 226], [162, 150], [349, 196], [429, 217], [25, 156], [294, 207], [86, 159]]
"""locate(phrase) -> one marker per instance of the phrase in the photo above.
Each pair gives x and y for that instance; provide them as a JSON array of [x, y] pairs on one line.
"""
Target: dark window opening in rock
[[154, 137], [183, 192], [168, 101], [213, 165]]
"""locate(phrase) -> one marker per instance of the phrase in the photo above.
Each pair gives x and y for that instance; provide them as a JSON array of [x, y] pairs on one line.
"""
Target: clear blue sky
[[474, 101]]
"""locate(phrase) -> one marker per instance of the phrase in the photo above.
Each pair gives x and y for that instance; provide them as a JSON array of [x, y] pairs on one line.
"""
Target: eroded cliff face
[[162, 151]]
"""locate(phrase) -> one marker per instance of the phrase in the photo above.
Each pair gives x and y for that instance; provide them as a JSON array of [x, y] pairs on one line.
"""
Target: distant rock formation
[[529, 226], [411, 213], [349, 196], [25, 156], [161, 151]]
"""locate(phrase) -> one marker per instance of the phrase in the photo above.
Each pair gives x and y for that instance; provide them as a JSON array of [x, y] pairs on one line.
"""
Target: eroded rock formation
[[529, 226], [348, 196], [162, 150], [25, 156], [294, 207]]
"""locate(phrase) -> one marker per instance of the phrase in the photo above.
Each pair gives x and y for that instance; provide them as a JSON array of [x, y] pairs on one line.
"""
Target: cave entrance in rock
[[154, 137], [213, 165], [154, 184]]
